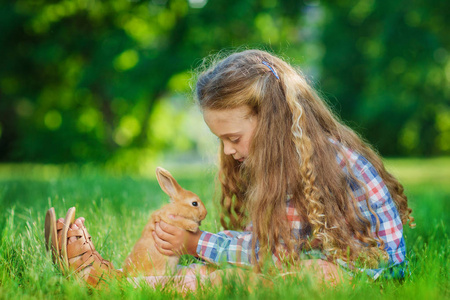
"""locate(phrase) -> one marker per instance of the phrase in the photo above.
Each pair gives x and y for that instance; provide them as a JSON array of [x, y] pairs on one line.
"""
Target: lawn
[[117, 207]]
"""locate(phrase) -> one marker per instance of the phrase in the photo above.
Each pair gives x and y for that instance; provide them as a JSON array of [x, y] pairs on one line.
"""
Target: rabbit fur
[[145, 259]]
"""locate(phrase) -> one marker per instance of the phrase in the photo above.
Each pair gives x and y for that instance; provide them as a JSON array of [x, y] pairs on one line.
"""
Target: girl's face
[[234, 127]]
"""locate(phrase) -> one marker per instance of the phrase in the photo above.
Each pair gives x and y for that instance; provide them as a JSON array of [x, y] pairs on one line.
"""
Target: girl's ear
[[167, 183]]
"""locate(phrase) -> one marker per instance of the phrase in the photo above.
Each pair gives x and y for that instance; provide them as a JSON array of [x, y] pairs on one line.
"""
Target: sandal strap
[[96, 275], [92, 280], [84, 261], [100, 269], [59, 225], [83, 246], [78, 248], [78, 233], [87, 237]]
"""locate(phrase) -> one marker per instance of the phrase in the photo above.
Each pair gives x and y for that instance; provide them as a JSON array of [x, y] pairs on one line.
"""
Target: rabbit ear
[[167, 183]]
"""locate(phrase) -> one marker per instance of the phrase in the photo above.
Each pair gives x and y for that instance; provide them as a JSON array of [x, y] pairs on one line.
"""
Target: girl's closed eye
[[234, 139]]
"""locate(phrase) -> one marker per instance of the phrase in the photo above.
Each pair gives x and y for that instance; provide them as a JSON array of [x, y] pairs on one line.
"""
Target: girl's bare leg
[[320, 270]]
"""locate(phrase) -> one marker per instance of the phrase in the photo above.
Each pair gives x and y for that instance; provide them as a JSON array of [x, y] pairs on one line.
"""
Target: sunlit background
[[110, 82]]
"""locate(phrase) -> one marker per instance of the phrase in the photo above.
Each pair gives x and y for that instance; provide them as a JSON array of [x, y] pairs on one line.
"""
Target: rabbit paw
[[156, 218], [192, 227], [151, 226]]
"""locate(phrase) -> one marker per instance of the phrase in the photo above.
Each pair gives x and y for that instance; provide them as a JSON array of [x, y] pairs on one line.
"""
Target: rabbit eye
[[194, 203]]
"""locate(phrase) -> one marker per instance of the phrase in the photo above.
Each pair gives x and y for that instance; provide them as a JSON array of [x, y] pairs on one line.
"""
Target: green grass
[[117, 207]]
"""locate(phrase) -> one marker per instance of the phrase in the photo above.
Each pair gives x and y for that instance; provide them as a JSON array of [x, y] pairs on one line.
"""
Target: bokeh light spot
[[166, 19], [266, 26], [361, 11], [24, 108], [409, 137], [443, 127], [179, 82], [53, 119], [139, 29], [126, 60], [88, 120], [197, 3], [128, 129]]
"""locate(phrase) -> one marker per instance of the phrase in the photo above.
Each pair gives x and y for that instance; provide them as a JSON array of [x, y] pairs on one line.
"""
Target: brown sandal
[[51, 236], [82, 248], [55, 233], [68, 221], [88, 257]]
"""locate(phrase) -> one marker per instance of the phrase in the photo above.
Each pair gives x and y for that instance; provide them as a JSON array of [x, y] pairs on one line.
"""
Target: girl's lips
[[241, 159]]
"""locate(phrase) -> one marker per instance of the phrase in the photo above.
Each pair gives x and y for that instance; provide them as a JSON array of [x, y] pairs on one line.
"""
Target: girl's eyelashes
[[231, 139]]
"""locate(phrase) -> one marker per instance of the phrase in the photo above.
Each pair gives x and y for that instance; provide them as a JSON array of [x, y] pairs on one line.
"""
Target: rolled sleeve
[[380, 200], [227, 246], [390, 225]]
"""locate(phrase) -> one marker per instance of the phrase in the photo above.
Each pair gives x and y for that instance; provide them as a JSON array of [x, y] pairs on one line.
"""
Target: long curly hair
[[291, 156]]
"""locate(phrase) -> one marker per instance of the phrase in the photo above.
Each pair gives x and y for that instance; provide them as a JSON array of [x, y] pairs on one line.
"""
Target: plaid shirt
[[235, 247]]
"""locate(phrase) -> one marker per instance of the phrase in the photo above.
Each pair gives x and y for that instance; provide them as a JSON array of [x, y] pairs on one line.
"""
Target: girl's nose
[[228, 149]]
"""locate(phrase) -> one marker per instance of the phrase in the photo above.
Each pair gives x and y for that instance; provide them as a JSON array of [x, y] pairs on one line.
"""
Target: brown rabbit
[[145, 259]]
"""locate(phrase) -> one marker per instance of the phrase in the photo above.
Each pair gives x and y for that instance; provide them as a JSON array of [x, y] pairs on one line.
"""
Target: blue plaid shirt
[[235, 247]]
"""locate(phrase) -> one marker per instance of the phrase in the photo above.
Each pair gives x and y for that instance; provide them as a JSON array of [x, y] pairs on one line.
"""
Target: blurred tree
[[80, 80], [387, 64]]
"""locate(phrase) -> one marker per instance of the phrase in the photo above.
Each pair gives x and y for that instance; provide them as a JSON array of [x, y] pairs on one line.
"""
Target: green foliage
[[81, 80], [116, 209], [387, 64]]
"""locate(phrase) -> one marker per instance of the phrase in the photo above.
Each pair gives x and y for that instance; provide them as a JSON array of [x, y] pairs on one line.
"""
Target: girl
[[304, 181], [295, 182]]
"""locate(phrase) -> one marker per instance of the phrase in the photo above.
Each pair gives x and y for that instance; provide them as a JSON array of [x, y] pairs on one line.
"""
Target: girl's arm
[[231, 247], [382, 204], [391, 228], [227, 246]]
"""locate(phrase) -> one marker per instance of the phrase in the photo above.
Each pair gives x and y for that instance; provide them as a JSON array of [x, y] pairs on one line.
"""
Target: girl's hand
[[171, 240]]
